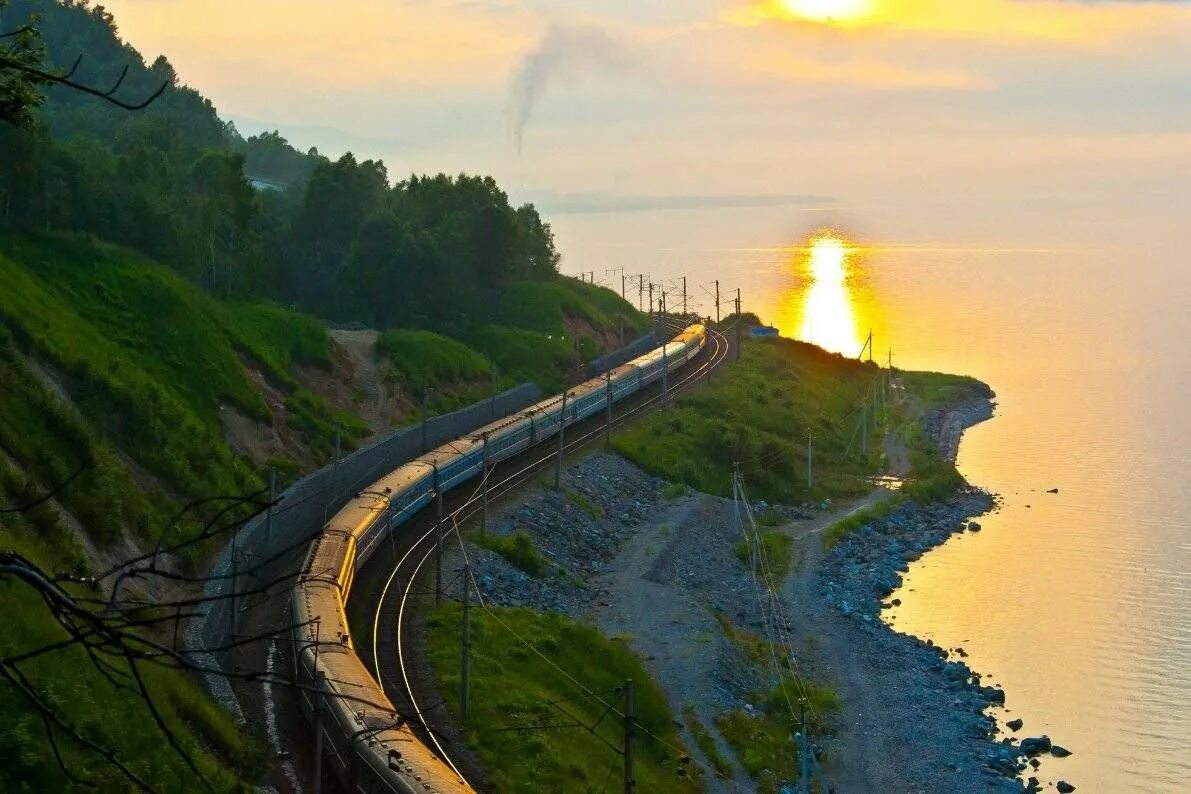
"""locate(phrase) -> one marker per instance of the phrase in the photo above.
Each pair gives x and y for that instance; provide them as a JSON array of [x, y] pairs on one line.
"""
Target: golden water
[[1078, 603]]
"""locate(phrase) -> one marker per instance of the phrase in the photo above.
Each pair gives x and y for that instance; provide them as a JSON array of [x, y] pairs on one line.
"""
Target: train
[[368, 745]]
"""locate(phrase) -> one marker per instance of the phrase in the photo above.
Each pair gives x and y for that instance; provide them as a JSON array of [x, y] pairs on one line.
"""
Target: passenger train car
[[367, 744]]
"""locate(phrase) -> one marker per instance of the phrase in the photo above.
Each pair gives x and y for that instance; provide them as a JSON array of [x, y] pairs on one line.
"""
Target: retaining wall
[[303, 509]]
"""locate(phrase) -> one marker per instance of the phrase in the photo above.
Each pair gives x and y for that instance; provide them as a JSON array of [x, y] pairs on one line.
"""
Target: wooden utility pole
[[622, 278], [864, 430], [608, 418], [641, 292], [630, 717], [320, 684], [269, 512], [438, 538], [717, 301], [810, 460], [484, 489], [652, 319], [739, 324], [562, 425], [665, 375], [684, 296], [465, 670], [425, 416], [329, 492]]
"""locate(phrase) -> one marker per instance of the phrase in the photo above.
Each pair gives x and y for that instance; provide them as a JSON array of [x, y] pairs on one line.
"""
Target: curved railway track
[[390, 640]]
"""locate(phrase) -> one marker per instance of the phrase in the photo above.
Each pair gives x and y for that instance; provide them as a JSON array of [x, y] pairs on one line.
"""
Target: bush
[[518, 550]]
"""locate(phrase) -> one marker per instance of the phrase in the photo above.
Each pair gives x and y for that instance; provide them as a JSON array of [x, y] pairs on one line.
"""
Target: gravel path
[[658, 570]]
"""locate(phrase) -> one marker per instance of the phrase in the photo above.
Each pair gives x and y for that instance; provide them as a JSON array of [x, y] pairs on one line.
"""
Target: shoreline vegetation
[[643, 545]]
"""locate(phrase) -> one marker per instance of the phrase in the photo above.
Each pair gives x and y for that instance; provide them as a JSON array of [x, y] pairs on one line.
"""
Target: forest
[[244, 217]]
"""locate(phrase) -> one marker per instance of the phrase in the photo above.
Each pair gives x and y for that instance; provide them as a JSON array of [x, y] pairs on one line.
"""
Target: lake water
[[1078, 603]]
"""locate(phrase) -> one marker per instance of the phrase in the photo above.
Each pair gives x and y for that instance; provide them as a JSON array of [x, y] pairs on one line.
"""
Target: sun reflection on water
[[828, 318]]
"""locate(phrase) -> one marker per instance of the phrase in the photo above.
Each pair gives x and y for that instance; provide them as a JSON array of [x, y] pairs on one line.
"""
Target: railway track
[[392, 653]]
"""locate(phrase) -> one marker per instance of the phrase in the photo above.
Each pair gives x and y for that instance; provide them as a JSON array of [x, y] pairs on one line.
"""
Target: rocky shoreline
[[858, 576], [657, 567]]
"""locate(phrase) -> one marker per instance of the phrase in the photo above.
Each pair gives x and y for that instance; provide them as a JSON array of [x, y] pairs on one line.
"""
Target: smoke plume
[[563, 53]]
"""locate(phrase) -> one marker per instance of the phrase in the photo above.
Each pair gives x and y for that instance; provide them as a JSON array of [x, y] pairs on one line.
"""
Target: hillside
[[164, 394]]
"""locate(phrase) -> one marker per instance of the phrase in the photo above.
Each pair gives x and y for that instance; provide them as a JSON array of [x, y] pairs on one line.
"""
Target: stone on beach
[[1015, 725], [1064, 787], [1059, 752], [1035, 746]]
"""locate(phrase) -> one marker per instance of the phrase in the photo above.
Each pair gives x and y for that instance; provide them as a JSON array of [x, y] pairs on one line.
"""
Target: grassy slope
[[511, 686], [113, 717], [758, 413], [147, 360]]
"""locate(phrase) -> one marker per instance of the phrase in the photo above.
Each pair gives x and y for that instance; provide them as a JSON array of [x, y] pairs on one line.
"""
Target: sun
[[827, 10], [828, 255]]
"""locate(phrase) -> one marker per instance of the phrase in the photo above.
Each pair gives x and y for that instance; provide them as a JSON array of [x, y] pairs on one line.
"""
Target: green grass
[[581, 501], [777, 548], [764, 741], [423, 359], [757, 412], [545, 306], [523, 355], [674, 490], [277, 338], [512, 686], [141, 354], [706, 744], [518, 550], [845, 526], [113, 717]]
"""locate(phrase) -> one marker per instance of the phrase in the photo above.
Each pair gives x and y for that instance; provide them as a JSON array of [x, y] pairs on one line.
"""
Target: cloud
[[594, 202], [1022, 20], [561, 53], [865, 74]]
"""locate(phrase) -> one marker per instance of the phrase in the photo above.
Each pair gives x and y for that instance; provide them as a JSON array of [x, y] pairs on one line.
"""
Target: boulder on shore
[[1014, 725], [1064, 787], [1035, 746], [1059, 752]]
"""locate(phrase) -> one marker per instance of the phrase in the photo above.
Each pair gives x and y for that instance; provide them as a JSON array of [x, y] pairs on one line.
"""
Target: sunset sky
[[642, 127]]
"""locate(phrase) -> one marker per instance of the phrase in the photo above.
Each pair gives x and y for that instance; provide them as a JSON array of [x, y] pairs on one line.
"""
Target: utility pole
[[592, 273], [562, 425], [684, 296], [608, 418], [319, 687], [622, 277], [465, 671], [864, 430], [641, 292], [484, 490], [492, 400], [738, 324], [236, 585], [438, 533], [652, 319], [810, 460], [717, 301], [663, 303], [330, 491], [269, 512], [425, 416], [630, 717], [665, 375], [804, 771]]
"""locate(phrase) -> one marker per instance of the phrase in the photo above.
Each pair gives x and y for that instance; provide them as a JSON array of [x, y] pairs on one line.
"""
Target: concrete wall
[[305, 505], [612, 360]]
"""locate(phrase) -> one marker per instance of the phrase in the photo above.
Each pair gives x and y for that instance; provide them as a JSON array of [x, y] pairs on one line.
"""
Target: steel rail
[[715, 358]]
